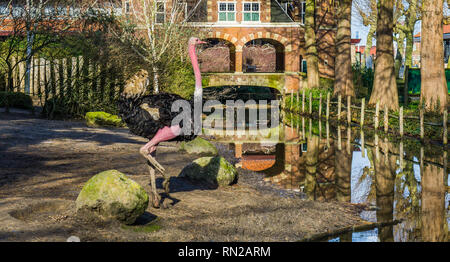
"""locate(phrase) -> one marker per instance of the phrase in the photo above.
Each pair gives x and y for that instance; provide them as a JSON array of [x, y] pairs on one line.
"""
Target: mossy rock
[[199, 146], [111, 194], [97, 119], [215, 171]]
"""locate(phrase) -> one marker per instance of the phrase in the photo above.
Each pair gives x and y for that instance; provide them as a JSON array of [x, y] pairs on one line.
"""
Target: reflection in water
[[396, 180]]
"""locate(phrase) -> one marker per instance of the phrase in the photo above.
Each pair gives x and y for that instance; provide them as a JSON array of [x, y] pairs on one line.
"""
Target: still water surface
[[395, 179]]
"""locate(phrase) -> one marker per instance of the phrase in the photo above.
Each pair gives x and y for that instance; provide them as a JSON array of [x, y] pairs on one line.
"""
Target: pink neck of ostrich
[[194, 61]]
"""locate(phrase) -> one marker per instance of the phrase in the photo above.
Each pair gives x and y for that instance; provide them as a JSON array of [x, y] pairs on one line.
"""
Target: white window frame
[[218, 12], [184, 9], [127, 7], [251, 12], [303, 11], [156, 11]]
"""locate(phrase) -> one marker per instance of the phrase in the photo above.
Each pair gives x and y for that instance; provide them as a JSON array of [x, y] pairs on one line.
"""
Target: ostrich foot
[[166, 203], [152, 160], [155, 199]]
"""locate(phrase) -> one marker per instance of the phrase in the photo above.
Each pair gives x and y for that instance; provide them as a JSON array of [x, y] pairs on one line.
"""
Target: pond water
[[392, 178]]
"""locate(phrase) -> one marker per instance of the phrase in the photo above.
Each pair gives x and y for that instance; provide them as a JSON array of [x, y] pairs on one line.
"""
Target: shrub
[[16, 99]]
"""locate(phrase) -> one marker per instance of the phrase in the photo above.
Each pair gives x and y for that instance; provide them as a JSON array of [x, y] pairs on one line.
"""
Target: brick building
[[257, 36]]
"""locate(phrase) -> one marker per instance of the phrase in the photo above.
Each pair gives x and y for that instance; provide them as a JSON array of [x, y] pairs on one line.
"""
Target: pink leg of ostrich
[[164, 134]]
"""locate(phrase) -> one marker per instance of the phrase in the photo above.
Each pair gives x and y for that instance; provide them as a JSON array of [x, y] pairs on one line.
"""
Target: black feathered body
[[145, 115]]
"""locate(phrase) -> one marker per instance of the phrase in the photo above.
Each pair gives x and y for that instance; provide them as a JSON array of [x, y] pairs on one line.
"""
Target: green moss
[[147, 228], [216, 171], [199, 146], [112, 194], [96, 119], [276, 81]]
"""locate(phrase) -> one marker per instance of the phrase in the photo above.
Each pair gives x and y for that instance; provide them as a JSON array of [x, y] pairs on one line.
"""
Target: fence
[[413, 82], [363, 111], [76, 79]]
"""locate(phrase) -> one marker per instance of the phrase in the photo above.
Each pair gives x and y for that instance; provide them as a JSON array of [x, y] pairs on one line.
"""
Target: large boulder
[[216, 171], [199, 146], [97, 119], [111, 194]]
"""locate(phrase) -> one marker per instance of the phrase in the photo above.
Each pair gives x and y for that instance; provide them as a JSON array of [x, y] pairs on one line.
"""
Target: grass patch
[[150, 227]]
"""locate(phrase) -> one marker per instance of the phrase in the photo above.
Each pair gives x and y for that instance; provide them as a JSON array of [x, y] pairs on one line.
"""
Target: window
[[251, 12], [183, 10], [4, 9], [304, 68], [160, 12], [127, 7], [227, 12], [302, 11], [74, 12], [61, 11]]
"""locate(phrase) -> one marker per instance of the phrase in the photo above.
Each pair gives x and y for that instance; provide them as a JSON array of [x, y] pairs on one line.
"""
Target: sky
[[359, 29]]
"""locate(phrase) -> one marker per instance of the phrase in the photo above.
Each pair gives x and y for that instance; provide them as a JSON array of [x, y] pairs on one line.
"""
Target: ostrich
[[150, 116]]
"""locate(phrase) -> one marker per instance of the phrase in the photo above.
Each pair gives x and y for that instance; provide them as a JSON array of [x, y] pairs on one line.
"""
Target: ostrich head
[[193, 41], [136, 85]]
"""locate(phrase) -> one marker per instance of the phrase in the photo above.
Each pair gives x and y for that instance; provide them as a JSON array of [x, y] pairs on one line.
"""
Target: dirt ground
[[44, 164]]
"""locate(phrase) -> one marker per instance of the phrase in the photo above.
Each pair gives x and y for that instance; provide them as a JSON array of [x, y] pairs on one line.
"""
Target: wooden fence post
[[339, 107], [401, 121], [363, 104], [320, 105], [21, 77], [401, 155], [339, 138], [303, 101], [292, 101], [386, 119], [328, 105], [328, 134], [363, 150], [421, 123], [377, 113], [310, 103], [445, 127], [349, 110], [303, 128]]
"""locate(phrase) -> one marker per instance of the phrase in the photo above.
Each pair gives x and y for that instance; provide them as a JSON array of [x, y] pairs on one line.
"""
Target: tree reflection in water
[[392, 176]]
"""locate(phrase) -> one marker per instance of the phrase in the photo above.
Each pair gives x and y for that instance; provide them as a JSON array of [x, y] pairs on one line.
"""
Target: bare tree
[[155, 31], [33, 25]]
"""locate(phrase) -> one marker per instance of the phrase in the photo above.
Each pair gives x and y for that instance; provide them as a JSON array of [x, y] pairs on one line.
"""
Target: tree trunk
[[311, 159], [433, 204], [312, 56], [409, 48], [434, 85], [369, 43], [343, 169], [343, 84], [155, 80], [385, 85], [385, 173]]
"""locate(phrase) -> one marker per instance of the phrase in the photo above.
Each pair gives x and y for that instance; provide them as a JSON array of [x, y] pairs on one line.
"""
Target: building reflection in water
[[396, 180]]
